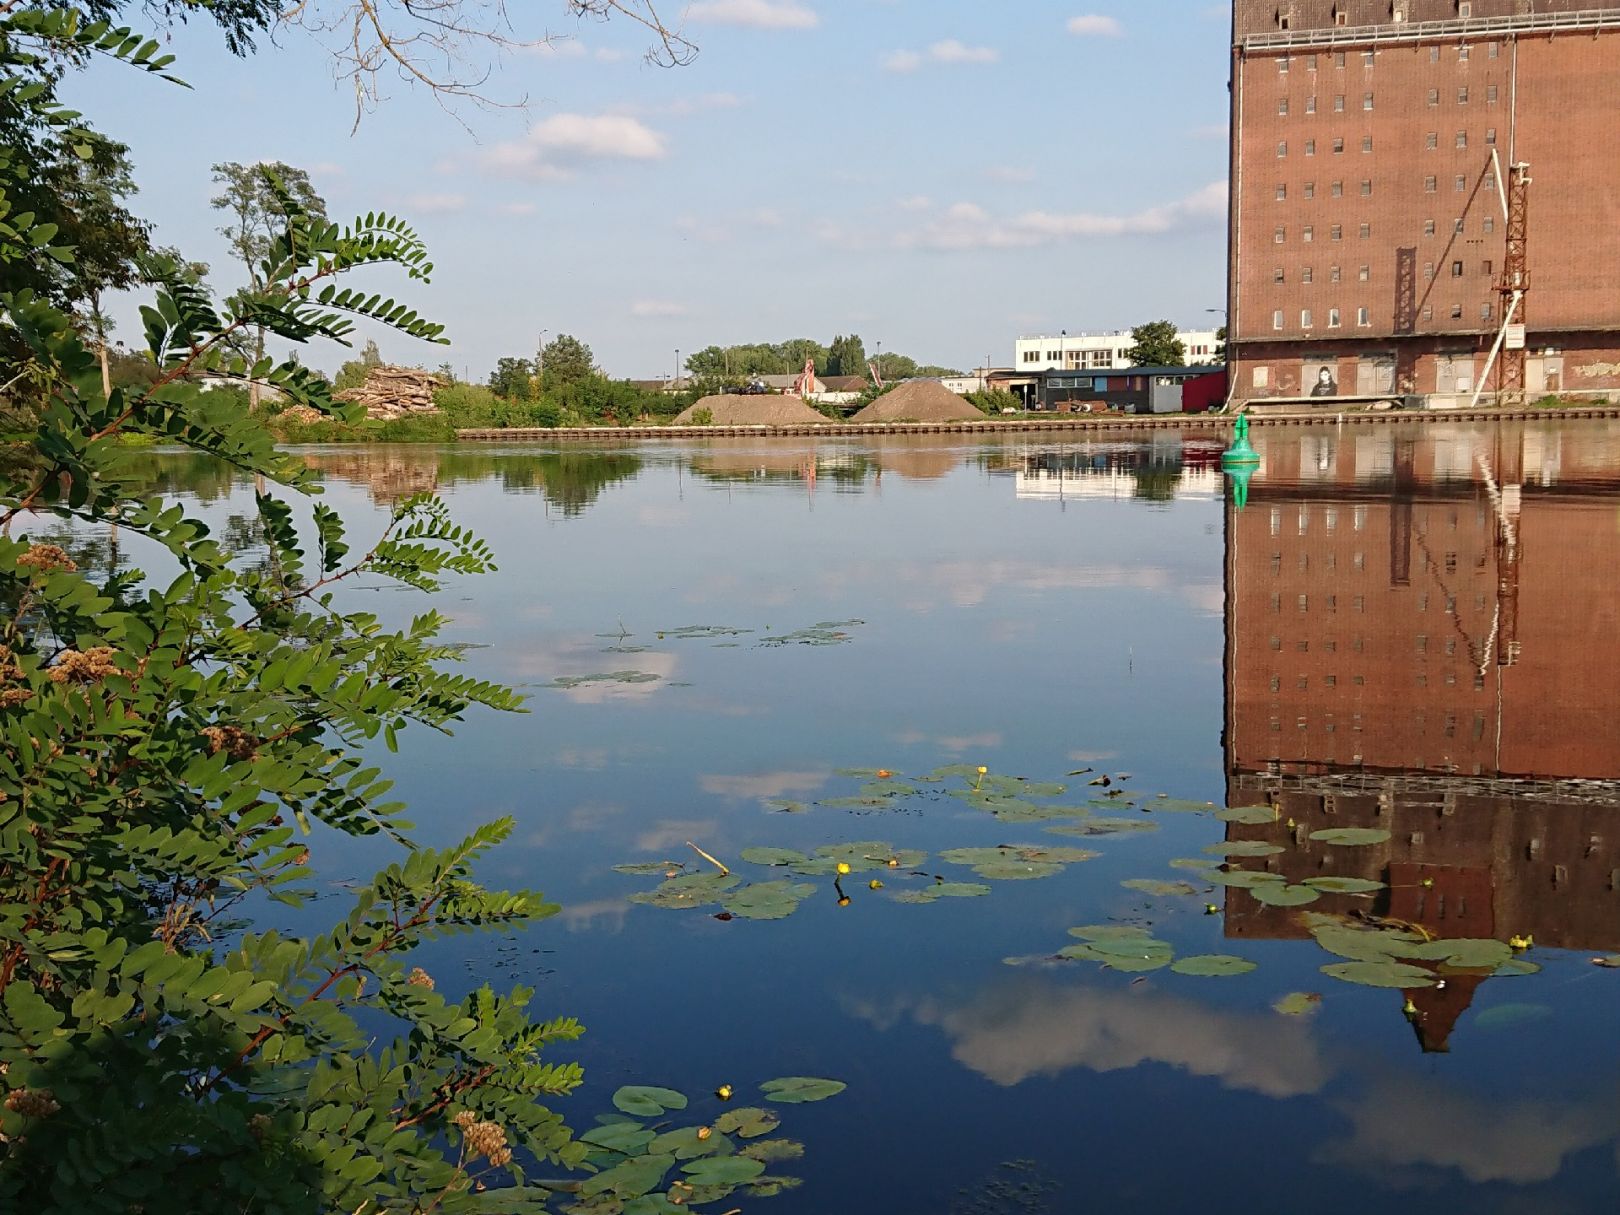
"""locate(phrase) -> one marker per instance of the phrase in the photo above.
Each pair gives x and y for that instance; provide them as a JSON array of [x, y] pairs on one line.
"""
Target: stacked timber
[[395, 392]]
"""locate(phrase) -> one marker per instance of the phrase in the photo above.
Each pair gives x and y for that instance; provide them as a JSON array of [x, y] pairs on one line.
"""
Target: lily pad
[[1160, 889], [723, 1170], [916, 896], [1363, 944], [1195, 863], [1343, 885], [1251, 816], [1110, 932], [768, 900], [773, 856], [1244, 848], [569, 682], [749, 1122], [1611, 962], [626, 1138], [649, 868], [629, 1179], [1177, 805], [1013, 870], [784, 805], [770, 1151], [690, 890], [645, 1101], [1517, 968], [1280, 894], [1351, 837], [1381, 974], [1463, 954], [1245, 879], [797, 1090], [1133, 953], [1107, 826], [687, 1143], [1213, 966], [770, 1187], [1298, 1004]]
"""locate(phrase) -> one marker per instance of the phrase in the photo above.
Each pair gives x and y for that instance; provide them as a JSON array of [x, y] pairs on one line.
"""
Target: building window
[[1336, 232], [1490, 136], [1338, 59], [1310, 105], [1282, 149], [1305, 275], [1456, 312], [1282, 62], [1462, 53], [1434, 54], [1428, 312], [1428, 227], [1307, 234], [1366, 188], [1338, 189], [1486, 312], [1456, 269], [1367, 58], [1333, 274], [1434, 97], [1487, 267], [1489, 181], [1432, 140], [1279, 276], [1363, 317], [1458, 225], [1462, 140], [1366, 231], [1338, 104], [1305, 319], [1282, 192], [1490, 50], [1367, 101], [1276, 323], [1310, 147], [1310, 189], [1338, 146], [1280, 235], [1365, 273], [1333, 318], [1428, 272], [1490, 224], [1282, 107], [1366, 143], [1461, 184], [1462, 95], [1431, 184], [1491, 94]]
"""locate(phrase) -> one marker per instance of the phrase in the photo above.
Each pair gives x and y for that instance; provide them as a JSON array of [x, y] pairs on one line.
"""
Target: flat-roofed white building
[[1094, 351]]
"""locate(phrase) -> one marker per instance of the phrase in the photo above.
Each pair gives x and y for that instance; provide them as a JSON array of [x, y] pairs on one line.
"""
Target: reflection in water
[[1423, 638]]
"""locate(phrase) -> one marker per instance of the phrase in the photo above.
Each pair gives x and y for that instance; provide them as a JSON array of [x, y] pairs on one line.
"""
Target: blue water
[[1035, 608]]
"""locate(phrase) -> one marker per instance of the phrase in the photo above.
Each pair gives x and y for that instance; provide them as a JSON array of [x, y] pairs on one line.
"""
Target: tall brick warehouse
[[1372, 151]]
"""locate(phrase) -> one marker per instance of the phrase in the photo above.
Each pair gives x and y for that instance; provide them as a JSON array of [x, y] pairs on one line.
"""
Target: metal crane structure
[[1514, 190]]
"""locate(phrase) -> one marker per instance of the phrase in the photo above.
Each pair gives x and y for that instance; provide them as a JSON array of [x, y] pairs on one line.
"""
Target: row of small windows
[[1307, 275], [1368, 58], [1493, 94], [1431, 142], [1336, 189], [1335, 319], [1307, 234], [1338, 146]]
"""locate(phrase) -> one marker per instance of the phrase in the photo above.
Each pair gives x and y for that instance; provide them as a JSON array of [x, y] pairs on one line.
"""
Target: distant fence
[[1071, 424]]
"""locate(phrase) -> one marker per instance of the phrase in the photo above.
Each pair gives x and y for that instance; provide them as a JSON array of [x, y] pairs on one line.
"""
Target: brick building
[[1371, 140]]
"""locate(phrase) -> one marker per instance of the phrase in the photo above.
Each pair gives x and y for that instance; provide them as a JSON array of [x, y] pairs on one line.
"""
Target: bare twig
[[724, 872]]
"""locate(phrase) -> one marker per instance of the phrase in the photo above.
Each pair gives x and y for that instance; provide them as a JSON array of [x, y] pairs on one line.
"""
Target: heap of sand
[[742, 410], [920, 401]]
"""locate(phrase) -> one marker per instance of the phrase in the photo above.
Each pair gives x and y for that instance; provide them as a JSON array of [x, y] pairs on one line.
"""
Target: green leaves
[[646, 1102], [797, 1090]]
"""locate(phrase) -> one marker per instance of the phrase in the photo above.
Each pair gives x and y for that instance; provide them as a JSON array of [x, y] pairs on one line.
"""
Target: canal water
[[1359, 733]]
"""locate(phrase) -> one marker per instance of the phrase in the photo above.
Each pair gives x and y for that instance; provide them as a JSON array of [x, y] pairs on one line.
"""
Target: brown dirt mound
[[739, 410], [920, 401]]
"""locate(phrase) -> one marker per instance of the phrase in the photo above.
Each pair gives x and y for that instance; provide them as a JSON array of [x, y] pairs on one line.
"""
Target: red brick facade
[[1368, 233]]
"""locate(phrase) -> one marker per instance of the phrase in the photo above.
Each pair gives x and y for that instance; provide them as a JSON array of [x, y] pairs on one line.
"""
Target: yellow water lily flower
[[843, 868], [1521, 943], [874, 884], [723, 1092]]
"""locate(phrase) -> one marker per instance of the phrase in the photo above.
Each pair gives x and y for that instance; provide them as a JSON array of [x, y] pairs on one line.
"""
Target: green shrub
[[703, 417]]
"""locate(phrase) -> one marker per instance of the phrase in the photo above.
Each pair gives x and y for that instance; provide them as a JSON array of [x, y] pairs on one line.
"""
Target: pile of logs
[[394, 392]]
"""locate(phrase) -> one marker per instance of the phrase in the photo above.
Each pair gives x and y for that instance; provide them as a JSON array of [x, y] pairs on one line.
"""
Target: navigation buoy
[[1240, 462]]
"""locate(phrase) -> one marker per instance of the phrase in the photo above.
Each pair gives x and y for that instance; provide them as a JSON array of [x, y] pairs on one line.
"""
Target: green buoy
[[1242, 453]]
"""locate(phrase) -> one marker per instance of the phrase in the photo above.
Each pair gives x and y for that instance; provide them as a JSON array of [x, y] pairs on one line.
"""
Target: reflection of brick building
[[1368, 231], [1424, 637]]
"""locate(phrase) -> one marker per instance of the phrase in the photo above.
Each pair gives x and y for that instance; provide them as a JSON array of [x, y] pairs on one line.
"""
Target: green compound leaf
[[797, 1090], [1351, 837], [645, 1101], [1213, 966]]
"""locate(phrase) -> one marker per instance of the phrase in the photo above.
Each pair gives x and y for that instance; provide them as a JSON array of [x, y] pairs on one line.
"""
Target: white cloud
[[755, 14], [915, 202], [436, 204], [948, 52], [1094, 26], [657, 309], [1012, 174], [608, 54], [558, 146]]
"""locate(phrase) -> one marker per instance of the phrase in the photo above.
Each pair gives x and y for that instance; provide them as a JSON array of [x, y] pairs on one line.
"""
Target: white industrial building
[[1100, 351]]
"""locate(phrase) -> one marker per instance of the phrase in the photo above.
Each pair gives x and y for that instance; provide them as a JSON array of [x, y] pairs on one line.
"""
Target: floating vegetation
[[1351, 837], [1280, 894], [769, 900], [828, 632], [1387, 973], [1612, 962], [1213, 966], [798, 1090], [1176, 805], [1017, 862], [783, 805], [648, 1102], [1160, 889], [749, 1122], [1249, 816], [942, 889], [1244, 848], [701, 632], [690, 890], [1298, 1004], [1107, 826], [569, 682], [1344, 885]]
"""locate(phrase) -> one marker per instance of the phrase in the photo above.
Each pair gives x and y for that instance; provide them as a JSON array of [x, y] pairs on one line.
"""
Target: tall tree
[[846, 356], [513, 379], [354, 372], [566, 360], [1155, 344], [255, 211]]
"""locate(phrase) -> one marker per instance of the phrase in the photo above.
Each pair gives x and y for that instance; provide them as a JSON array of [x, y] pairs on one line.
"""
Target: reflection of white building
[[1199, 484], [1100, 351]]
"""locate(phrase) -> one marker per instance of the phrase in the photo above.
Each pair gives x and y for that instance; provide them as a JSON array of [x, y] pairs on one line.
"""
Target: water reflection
[[1423, 638]]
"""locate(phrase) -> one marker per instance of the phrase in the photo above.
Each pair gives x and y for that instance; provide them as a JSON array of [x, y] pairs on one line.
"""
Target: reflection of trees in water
[[170, 473], [571, 481]]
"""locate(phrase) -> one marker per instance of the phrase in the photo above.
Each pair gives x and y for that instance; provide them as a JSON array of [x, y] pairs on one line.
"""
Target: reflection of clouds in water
[[1035, 1028], [954, 743], [673, 833], [969, 583], [597, 759], [604, 915], [574, 657], [763, 785], [1404, 1124], [1091, 757]]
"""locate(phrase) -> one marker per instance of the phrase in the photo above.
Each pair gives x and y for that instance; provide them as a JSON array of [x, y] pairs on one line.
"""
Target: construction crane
[[806, 383], [877, 376], [1514, 191]]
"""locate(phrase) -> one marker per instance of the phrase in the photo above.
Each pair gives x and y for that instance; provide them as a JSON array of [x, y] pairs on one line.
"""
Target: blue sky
[[937, 175]]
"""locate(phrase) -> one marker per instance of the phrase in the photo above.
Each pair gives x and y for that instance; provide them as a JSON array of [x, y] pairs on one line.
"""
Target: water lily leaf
[[1517, 968], [645, 1101], [916, 896], [1612, 962], [965, 771], [857, 773], [723, 1170], [1506, 1016], [821, 866], [1245, 879], [773, 856], [630, 1179], [1252, 816], [1462, 954], [1351, 837], [865, 855], [1017, 871], [1298, 1004], [768, 900], [1244, 848], [1194, 863], [770, 1187], [652, 1204], [698, 1195], [1363, 944], [1381, 974], [783, 805], [1133, 953], [570, 682], [685, 1144], [855, 803], [1279, 894], [649, 868], [1158, 888], [1032, 788], [750, 1122], [690, 890], [1110, 932], [771, 1151], [1213, 966], [796, 1090], [1027, 812], [626, 1138], [1080, 953], [887, 788], [1107, 826], [1343, 885], [1177, 805]]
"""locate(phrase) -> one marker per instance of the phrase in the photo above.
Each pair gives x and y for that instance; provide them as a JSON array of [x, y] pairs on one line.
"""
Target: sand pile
[[740, 410], [920, 401]]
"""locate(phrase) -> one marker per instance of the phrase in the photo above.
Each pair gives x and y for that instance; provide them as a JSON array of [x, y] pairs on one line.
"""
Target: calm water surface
[[1413, 631]]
